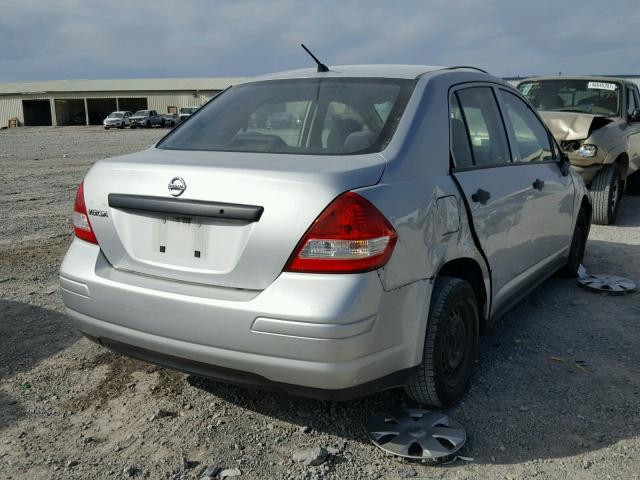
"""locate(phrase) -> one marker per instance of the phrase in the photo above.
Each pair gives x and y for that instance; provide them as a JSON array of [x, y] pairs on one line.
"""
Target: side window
[[531, 136], [484, 126], [460, 146], [633, 101]]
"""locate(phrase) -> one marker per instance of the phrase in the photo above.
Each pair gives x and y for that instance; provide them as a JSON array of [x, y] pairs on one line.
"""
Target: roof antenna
[[321, 66]]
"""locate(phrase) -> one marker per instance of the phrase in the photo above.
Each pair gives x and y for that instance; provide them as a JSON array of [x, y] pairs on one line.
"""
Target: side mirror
[[635, 115]]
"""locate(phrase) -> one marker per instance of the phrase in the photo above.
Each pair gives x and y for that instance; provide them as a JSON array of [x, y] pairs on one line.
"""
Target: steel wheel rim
[[455, 342]]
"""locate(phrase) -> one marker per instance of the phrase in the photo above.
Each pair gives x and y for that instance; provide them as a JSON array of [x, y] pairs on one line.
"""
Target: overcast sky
[[59, 39]]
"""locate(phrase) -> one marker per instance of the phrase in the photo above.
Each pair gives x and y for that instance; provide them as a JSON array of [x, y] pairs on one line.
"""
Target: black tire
[[121, 125], [578, 245], [633, 183], [606, 194], [450, 345], [106, 128], [132, 126], [147, 124]]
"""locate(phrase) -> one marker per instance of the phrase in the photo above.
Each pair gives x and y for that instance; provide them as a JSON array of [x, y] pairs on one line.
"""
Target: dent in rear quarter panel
[[424, 245], [415, 177]]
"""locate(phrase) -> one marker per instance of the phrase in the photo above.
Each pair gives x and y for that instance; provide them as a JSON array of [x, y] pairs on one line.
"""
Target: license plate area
[[182, 243], [181, 237]]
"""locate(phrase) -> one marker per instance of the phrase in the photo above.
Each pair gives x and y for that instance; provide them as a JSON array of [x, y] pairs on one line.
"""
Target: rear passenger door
[[499, 197], [552, 190]]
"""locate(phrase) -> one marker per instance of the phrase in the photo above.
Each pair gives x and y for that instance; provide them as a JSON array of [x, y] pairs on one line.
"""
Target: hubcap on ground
[[607, 283], [416, 433]]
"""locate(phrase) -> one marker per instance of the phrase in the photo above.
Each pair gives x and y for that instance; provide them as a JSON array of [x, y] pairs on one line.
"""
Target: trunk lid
[[235, 224]]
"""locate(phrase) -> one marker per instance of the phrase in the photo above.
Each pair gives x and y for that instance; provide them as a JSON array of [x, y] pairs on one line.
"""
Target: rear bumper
[[327, 336]]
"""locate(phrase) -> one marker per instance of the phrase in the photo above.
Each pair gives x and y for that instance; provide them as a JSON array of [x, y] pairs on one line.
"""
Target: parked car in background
[[170, 119], [119, 119], [597, 122], [146, 119], [363, 248], [186, 112]]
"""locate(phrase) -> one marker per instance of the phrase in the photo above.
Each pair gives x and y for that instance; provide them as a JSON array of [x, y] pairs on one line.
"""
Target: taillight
[[81, 225], [350, 236]]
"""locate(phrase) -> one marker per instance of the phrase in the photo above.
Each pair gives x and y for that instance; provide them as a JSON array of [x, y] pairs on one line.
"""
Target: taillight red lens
[[351, 235], [81, 225]]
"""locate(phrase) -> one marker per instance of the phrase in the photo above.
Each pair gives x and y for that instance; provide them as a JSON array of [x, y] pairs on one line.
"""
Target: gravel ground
[[556, 392]]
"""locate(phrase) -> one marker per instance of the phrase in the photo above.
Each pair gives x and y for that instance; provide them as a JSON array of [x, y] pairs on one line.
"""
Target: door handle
[[538, 184], [481, 196]]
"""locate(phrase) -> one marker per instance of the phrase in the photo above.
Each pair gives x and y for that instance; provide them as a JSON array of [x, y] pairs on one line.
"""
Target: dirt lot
[[556, 393]]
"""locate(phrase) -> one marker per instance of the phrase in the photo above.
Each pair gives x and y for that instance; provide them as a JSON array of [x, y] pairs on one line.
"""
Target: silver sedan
[[361, 245]]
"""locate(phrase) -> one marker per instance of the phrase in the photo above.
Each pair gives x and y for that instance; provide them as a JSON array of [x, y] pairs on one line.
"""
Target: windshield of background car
[[115, 115], [329, 116], [141, 113], [584, 96], [187, 110]]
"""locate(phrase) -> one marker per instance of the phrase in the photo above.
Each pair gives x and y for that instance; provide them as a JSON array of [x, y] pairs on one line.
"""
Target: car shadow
[[28, 335], [557, 376]]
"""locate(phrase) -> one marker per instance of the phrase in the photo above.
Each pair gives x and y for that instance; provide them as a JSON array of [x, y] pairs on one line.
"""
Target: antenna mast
[[321, 66]]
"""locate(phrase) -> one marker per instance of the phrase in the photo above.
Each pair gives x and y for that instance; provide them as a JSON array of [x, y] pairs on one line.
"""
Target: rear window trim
[[384, 138]]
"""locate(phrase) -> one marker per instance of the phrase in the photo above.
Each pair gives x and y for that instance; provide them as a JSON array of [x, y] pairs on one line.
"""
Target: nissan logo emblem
[[177, 186]]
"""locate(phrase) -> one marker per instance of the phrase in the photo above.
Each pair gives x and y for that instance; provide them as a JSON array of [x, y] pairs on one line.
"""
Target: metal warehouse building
[[88, 102]]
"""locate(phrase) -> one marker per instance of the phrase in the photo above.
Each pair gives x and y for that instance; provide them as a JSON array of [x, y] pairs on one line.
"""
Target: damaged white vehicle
[[597, 122]]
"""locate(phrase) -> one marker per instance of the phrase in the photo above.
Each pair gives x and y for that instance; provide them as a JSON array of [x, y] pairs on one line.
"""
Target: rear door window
[[531, 136], [484, 126], [460, 146]]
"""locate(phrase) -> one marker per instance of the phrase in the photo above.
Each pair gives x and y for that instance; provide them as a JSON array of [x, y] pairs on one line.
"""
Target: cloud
[[122, 39]]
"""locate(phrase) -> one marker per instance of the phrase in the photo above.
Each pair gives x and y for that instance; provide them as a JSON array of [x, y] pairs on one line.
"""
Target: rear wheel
[[578, 245], [606, 193], [633, 183], [450, 345]]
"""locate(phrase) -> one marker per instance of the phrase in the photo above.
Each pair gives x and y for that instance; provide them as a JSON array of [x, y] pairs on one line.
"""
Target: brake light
[[351, 235], [81, 225]]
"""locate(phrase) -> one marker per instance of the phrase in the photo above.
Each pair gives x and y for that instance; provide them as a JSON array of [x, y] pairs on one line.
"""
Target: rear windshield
[[330, 116]]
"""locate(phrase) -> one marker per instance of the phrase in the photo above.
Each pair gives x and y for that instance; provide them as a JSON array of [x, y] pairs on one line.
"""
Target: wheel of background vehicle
[[132, 126], [633, 183], [606, 193], [450, 345], [163, 123], [106, 128], [147, 124], [578, 245], [121, 125]]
